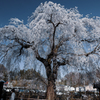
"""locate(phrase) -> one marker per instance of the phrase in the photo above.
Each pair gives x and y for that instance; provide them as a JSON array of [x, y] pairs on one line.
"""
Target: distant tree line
[[80, 79], [29, 74]]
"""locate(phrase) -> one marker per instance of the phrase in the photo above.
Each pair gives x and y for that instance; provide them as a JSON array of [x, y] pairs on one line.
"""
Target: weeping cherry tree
[[55, 37]]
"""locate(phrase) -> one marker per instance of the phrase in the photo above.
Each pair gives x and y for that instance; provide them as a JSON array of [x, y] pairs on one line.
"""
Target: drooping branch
[[20, 51], [23, 43], [85, 54], [91, 52], [90, 40], [14, 38], [5, 51], [68, 61], [60, 44]]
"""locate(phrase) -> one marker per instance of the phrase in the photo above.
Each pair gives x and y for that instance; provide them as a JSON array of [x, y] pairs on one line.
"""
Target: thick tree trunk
[[51, 95], [51, 73]]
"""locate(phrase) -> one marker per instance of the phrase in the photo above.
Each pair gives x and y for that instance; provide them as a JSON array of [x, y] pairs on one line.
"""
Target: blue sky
[[23, 8]]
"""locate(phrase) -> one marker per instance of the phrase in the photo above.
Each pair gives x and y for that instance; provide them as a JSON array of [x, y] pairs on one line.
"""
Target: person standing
[[13, 94], [1, 88], [3, 94]]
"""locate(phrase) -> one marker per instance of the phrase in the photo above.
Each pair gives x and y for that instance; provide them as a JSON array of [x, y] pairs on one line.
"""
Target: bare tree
[[55, 37]]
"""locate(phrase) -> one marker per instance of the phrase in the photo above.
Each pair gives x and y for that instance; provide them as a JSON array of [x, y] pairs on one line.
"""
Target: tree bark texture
[[51, 87], [51, 95]]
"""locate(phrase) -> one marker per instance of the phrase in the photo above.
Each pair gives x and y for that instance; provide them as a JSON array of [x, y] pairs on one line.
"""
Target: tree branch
[[89, 40]]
